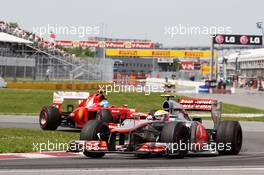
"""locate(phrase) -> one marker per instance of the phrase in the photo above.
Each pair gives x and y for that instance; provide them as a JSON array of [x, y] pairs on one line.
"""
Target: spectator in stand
[[3, 26], [38, 41], [30, 37], [24, 35]]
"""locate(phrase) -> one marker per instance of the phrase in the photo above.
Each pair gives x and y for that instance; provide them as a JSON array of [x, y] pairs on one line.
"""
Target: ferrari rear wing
[[60, 96]]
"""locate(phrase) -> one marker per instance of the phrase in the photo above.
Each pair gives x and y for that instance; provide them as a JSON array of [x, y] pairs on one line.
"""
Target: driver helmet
[[161, 115], [104, 103]]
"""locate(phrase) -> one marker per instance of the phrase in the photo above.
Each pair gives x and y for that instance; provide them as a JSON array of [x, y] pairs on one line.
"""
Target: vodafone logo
[[128, 45], [106, 44], [219, 39], [244, 40]]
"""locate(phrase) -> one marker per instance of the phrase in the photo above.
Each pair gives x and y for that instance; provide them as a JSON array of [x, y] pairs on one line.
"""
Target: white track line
[[136, 169]]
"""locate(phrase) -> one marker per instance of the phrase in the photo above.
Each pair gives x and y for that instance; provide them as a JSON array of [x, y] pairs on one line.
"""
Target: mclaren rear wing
[[209, 105], [195, 104]]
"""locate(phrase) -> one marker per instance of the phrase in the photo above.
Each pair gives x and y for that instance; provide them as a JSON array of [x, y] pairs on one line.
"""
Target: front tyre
[[49, 118], [229, 135], [178, 135], [90, 132]]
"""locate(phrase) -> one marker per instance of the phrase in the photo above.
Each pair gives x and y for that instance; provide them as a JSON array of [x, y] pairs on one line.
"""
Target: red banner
[[187, 65], [106, 44]]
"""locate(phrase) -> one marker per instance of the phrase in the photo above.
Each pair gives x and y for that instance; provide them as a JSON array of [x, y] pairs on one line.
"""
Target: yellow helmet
[[161, 114]]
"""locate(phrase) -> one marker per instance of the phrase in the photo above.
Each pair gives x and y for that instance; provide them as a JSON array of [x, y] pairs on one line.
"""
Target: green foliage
[[13, 24], [230, 108], [78, 51], [176, 65]]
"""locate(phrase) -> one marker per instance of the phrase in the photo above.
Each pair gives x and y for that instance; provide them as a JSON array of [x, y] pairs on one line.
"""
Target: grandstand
[[246, 63], [23, 54]]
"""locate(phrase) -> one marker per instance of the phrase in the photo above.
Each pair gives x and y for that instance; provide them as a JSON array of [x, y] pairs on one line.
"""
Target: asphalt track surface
[[250, 160]]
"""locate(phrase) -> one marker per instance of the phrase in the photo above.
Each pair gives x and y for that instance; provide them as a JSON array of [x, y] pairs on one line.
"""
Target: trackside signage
[[238, 39], [106, 44], [158, 53]]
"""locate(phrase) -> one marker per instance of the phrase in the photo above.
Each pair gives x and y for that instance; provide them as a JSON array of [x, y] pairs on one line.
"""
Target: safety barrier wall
[[182, 86], [55, 86], [179, 82]]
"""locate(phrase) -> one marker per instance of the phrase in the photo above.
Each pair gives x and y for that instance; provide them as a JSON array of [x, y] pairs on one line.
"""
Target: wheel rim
[[43, 118]]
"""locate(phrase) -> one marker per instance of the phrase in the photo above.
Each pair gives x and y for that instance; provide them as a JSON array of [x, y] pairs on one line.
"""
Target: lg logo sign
[[238, 39], [250, 40]]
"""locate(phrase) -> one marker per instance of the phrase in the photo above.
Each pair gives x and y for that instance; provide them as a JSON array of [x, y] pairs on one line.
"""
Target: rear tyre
[[90, 131], [49, 118], [105, 116], [178, 134], [229, 135]]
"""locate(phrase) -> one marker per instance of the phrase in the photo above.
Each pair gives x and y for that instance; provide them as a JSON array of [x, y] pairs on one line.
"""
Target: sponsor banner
[[190, 65], [64, 43], [158, 53], [187, 65], [165, 60], [205, 70], [238, 39], [106, 44]]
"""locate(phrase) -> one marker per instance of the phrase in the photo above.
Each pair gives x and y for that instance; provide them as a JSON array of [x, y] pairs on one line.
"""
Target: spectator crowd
[[38, 42]]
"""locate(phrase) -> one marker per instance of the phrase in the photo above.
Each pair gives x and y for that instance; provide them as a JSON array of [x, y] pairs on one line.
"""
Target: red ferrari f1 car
[[90, 107], [169, 132]]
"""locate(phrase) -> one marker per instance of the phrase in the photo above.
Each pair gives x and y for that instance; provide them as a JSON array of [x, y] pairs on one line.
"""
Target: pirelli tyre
[[49, 118], [229, 138], [178, 135], [90, 131], [105, 115]]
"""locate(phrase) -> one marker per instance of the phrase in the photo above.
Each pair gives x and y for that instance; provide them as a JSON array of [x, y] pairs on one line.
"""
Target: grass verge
[[22, 101], [29, 140], [250, 119]]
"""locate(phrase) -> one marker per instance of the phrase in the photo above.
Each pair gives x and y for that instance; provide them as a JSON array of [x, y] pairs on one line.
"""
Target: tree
[[176, 64], [13, 24], [78, 51]]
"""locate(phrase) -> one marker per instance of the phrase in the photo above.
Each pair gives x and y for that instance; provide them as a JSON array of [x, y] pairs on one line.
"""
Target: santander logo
[[219, 39], [244, 39]]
